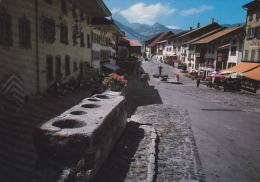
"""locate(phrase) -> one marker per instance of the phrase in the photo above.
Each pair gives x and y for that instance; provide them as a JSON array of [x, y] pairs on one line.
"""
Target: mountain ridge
[[141, 32]]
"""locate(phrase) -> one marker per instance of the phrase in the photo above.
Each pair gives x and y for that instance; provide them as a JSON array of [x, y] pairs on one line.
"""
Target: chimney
[[198, 25], [212, 20], [190, 28]]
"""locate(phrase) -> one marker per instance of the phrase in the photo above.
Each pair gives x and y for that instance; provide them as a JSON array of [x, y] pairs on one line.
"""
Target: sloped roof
[[95, 8], [153, 36], [201, 28], [102, 23], [161, 37], [217, 35], [135, 43], [205, 35], [163, 41], [224, 46], [176, 35], [254, 4]]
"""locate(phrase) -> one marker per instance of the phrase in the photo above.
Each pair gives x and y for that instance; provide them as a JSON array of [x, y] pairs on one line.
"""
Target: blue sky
[[180, 13]]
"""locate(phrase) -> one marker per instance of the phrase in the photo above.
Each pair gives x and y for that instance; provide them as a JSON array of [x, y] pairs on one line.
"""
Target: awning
[[254, 74], [111, 66], [243, 67]]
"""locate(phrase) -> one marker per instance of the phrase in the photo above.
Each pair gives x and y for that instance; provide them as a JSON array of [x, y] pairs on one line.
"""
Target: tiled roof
[[217, 35], [205, 35], [135, 43], [204, 27], [162, 36]]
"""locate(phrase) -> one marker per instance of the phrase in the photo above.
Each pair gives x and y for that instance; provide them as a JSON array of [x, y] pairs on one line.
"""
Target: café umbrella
[[219, 76], [237, 75]]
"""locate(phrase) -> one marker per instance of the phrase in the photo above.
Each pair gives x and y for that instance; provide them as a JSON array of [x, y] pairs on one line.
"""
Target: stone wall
[[83, 135]]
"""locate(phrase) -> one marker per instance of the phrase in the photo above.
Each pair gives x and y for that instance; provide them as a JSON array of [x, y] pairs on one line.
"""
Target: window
[[258, 58], [233, 51], [209, 50], [82, 16], [82, 44], [5, 28], [89, 44], [257, 33], [58, 68], [248, 36], [47, 29], [252, 55], [75, 66], [24, 32], [250, 17], [213, 50], [63, 6], [67, 65], [64, 33], [246, 55], [49, 68], [234, 41]]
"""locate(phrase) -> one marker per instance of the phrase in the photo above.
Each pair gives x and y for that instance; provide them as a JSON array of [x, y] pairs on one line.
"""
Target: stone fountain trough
[[90, 128]]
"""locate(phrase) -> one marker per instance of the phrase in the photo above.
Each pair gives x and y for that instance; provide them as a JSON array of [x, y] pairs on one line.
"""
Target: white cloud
[[173, 27], [115, 10], [195, 10], [140, 13]]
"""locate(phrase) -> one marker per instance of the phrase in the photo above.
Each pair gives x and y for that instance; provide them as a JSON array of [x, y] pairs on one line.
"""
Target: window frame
[[232, 51], [6, 38], [24, 32]]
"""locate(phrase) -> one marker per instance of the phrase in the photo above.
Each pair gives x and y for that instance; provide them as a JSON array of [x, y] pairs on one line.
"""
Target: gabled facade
[[186, 51], [251, 51], [149, 41], [135, 47], [105, 36], [161, 37], [214, 52]]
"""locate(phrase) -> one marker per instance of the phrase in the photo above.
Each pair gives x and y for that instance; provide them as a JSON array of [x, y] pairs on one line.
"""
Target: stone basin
[[90, 127]]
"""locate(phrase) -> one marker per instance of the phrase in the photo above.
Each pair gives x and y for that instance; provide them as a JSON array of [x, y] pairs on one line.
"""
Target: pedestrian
[[142, 76], [198, 82], [225, 85]]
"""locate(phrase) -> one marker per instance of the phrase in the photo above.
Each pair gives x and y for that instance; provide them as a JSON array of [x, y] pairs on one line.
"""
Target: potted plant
[[115, 82]]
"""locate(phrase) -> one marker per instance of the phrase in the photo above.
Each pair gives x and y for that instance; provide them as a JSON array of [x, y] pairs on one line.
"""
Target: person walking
[[142, 76], [198, 82]]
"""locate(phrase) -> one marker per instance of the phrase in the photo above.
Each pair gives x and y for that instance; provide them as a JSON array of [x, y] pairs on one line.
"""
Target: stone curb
[[152, 156]]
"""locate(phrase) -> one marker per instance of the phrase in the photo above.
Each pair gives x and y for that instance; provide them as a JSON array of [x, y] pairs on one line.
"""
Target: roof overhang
[[224, 46], [105, 25], [93, 8]]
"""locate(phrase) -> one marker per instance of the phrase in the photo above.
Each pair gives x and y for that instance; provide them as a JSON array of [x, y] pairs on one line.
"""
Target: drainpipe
[[37, 47]]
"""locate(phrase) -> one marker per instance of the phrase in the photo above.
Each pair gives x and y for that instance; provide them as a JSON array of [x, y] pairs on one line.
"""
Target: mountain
[[232, 25], [140, 31]]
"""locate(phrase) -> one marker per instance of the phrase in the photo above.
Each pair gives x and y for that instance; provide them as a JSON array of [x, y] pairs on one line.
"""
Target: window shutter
[[252, 33], [258, 33], [248, 33], [258, 59], [246, 55], [252, 55]]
